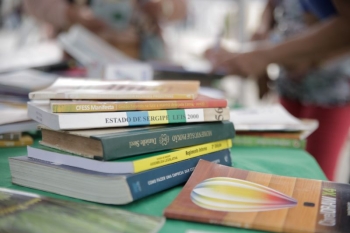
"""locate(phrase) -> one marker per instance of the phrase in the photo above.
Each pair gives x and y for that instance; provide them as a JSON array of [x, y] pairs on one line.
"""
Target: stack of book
[[115, 142], [270, 126]]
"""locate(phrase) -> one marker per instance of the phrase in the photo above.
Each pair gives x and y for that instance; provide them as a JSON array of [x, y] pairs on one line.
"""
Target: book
[[65, 121], [14, 136], [31, 56], [245, 140], [113, 143], [11, 114], [31, 213], [101, 187], [229, 196], [22, 126], [69, 88], [20, 83], [134, 164], [267, 118], [26, 140], [201, 101], [89, 49]]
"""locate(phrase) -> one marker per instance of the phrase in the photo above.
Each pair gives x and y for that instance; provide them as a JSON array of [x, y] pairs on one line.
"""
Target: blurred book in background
[[13, 122], [31, 56], [270, 126], [15, 86]]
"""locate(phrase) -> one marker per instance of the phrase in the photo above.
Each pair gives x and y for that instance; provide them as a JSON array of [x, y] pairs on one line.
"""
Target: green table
[[280, 161]]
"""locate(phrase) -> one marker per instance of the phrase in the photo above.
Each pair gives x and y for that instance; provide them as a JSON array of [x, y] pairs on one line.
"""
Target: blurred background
[[43, 39]]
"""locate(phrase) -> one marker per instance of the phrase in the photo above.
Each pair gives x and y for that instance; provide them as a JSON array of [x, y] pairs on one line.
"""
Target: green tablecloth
[[280, 161]]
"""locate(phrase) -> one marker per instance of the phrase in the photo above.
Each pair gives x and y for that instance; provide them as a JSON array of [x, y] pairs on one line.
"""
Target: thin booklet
[[73, 88], [229, 196]]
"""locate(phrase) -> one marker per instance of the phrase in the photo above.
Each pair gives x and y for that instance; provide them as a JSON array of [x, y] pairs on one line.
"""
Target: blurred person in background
[[310, 40], [133, 26]]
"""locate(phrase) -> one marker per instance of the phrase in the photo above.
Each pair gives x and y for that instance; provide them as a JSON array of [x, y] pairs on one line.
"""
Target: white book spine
[[84, 163]]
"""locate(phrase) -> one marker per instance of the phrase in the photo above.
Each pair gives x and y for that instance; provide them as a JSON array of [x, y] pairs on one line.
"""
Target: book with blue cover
[[105, 187]]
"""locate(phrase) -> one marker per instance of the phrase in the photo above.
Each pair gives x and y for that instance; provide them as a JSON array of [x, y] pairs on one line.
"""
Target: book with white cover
[[268, 118], [89, 49], [63, 121], [38, 55], [24, 81]]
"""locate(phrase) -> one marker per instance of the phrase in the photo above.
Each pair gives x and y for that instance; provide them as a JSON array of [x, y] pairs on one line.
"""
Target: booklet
[[26, 212], [218, 194]]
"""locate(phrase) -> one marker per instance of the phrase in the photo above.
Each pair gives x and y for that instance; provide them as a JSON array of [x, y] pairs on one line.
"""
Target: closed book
[[134, 164], [65, 121], [72, 88], [244, 140], [234, 197], [11, 136], [113, 143], [23, 141], [101, 187], [202, 101], [31, 213]]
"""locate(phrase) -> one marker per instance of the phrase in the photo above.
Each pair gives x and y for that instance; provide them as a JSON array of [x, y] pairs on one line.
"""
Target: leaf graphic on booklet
[[234, 195]]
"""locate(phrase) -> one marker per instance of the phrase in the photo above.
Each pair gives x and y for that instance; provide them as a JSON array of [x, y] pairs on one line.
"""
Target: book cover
[[245, 140], [131, 187], [132, 164], [22, 126], [31, 213], [26, 140], [69, 88], [229, 196], [112, 143], [65, 121], [202, 101]]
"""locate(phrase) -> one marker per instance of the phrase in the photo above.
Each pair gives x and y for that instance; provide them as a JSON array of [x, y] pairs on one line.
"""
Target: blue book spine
[[153, 181]]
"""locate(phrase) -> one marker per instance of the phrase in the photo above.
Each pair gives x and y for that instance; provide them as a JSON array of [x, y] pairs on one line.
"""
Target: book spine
[[180, 155], [165, 138], [106, 96], [153, 181], [142, 105], [10, 136], [24, 141], [138, 118], [268, 142]]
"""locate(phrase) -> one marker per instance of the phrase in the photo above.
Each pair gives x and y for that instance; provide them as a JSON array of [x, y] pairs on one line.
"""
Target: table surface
[[279, 161]]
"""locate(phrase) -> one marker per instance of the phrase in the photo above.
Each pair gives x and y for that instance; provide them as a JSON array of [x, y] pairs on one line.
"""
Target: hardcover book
[[101, 187], [65, 121], [201, 101], [31, 213], [69, 88], [134, 164], [229, 196], [113, 143]]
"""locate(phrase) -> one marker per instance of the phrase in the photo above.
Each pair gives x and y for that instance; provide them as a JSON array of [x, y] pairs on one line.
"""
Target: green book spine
[[163, 138], [268, 142]]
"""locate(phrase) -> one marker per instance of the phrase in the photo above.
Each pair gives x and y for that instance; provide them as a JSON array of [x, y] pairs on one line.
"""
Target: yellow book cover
[[134, 164], [229, 196], [84, 89], [23, 141]]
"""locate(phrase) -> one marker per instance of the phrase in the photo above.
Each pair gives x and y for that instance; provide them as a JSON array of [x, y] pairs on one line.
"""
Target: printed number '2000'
[[192, 116]]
